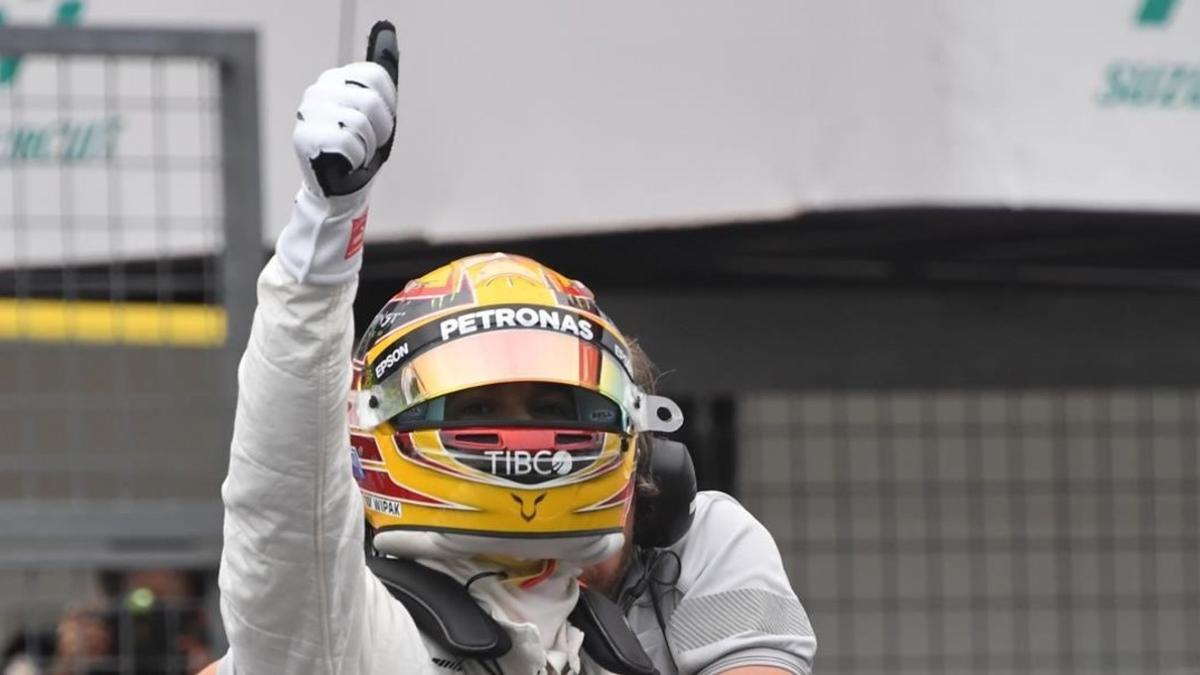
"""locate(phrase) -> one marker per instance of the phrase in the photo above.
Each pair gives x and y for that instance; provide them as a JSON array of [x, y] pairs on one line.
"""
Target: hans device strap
[[661, 520], [442, 609], [606, 636], [446, 613]]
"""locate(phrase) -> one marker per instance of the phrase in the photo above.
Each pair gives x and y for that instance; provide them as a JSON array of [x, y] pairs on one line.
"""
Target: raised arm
[[295, 596]]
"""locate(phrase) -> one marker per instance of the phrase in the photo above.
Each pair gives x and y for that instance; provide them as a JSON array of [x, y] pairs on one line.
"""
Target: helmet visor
[[496, 357]]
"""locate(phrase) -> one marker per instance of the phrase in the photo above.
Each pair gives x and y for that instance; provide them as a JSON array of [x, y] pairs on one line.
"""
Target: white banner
[[527, 117]]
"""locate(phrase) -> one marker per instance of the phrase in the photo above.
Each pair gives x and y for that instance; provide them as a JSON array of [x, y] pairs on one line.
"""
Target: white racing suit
[[296, 595]]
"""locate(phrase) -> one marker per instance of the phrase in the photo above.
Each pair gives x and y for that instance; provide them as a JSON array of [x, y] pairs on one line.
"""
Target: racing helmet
[[437, 485]]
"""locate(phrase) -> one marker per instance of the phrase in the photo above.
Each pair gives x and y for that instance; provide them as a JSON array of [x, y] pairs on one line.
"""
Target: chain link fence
[[129, 242], [956, 531]]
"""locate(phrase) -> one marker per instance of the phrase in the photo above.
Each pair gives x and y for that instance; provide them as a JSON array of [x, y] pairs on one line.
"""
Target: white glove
[[343, 133]]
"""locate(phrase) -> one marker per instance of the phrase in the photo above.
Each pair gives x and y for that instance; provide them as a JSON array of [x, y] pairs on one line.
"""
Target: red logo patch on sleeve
[[358, 230]]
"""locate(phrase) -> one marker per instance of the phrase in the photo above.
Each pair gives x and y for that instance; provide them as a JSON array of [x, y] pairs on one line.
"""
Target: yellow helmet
[[434, 485]]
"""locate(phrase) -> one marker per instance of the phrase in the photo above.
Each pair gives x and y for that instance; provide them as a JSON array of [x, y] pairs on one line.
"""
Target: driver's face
[[519, 401]]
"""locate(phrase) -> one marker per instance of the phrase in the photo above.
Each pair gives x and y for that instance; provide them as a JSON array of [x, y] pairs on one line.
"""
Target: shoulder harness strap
[[607, 638], [445, 612], [442, 609]]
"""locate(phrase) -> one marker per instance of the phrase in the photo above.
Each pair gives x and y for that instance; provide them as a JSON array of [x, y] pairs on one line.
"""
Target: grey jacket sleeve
[[737, 607]]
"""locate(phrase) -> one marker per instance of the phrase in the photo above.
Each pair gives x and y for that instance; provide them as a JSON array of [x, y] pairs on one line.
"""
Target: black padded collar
[[442, 608], [446, 613], [607, 638]]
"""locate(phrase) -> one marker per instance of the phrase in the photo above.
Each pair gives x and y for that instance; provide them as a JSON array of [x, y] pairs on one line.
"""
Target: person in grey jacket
[[700, 580], [715, 600]]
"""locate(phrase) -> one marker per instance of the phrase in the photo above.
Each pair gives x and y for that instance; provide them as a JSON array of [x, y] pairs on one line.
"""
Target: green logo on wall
[[1155, 12], [67, 13], [66, 140], [1140, 83]]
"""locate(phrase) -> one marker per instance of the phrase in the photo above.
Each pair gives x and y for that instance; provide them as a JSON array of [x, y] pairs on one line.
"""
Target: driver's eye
[[476, 408], [553, 409]]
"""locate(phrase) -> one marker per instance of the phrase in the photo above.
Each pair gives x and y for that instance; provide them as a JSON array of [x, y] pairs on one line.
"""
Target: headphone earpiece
[[662, 519]]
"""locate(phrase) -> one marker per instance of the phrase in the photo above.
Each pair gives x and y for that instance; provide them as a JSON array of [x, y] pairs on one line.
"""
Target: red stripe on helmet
[[366, 447], [490, 438], [381, 483]]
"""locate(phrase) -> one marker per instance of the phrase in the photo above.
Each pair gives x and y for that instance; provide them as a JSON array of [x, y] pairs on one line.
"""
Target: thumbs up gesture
[[345, 127], [347, 119]]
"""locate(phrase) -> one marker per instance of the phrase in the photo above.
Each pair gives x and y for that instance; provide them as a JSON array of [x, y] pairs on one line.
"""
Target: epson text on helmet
[[521, 317], [524, 462], [394, 356]]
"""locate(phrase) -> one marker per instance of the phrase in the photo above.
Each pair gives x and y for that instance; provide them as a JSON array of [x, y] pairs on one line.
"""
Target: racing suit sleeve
[[292, 574], [737, 607], [296, 595]]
